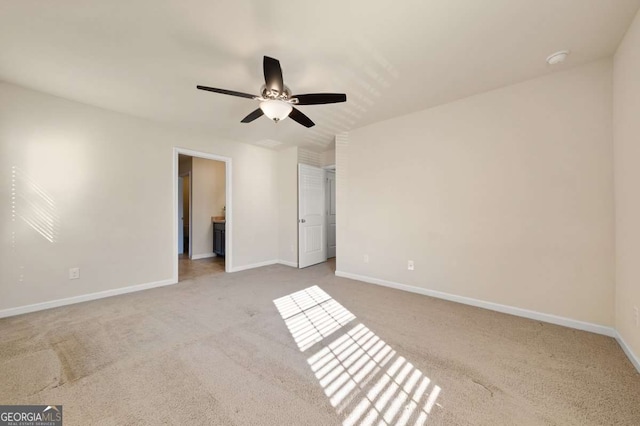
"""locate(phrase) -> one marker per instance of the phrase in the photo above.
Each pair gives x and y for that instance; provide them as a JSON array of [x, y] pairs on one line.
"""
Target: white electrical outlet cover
[[74, 273]]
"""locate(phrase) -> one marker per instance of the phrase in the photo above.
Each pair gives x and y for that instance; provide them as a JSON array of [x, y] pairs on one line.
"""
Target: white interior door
[[312, 246], [180, 216], [330, 205]]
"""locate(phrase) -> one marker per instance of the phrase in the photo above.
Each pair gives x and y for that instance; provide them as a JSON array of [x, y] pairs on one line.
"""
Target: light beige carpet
[[218, 350]]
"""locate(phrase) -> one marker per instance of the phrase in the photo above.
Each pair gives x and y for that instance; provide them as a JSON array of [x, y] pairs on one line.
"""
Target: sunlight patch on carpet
[[311, 315], [364, 378]]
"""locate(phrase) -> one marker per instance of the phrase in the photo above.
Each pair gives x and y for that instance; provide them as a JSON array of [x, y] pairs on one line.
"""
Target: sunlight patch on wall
[[31, 204], [366, 381]]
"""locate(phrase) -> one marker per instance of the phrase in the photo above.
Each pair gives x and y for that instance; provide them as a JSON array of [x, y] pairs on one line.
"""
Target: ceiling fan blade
[[227, 92], [320, 98], [298, 116], [273, 74], [255, 114]]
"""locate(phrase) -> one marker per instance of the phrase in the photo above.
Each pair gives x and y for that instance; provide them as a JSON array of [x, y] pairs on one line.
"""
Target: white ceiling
[[145, 57]]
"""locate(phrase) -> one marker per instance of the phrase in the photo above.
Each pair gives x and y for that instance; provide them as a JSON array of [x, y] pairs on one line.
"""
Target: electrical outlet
[[366, 258], [410, 265], [636, 315], [74, 273]]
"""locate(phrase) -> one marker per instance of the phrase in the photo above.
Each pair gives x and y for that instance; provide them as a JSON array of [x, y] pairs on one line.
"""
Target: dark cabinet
[[218, 238]]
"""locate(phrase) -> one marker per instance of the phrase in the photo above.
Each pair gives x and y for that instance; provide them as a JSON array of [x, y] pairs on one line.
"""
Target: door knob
[[302, 221]]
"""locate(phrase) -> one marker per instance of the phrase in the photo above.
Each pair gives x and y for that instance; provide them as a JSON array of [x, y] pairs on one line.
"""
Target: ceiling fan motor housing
[[272, 94]]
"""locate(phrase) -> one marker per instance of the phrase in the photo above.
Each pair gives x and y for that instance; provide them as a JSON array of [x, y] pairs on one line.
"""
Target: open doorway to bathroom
[[184, 207], [202, 212]]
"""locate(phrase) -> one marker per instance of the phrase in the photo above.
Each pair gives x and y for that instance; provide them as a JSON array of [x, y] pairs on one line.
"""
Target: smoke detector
[[558, 57]]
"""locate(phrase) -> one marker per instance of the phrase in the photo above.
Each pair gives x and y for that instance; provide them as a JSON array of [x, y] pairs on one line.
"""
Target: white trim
[[202, 256], [83, 298], [254, 265], [265, 263], [525, 313], [228, 207], [627, 350]]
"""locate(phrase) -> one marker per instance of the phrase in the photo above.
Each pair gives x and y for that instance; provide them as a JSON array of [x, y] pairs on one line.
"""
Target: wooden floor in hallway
[[190, 269]]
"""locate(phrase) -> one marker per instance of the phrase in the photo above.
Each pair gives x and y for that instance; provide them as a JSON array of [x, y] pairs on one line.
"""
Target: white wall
[[208, 187], [626, 95], [288, 205], [97, 189], [505, 197], [312, 158], [329, 158]]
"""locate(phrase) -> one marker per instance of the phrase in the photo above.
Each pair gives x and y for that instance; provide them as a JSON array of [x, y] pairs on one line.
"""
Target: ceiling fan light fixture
[[276, 101], [276, 110]]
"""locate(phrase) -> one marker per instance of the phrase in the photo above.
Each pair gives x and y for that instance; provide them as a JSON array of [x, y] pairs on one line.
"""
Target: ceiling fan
[[276, 100]]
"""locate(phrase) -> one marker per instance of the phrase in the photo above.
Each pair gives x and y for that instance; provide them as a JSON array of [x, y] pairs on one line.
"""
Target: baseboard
[[265, 263], [525, 313], [253, 265], [202, 256], [627, 350], [82, 298]]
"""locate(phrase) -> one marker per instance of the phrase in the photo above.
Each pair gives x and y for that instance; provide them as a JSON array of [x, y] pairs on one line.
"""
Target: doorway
[[330, 208], [184, 211], [202, 202], [316, 214]]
